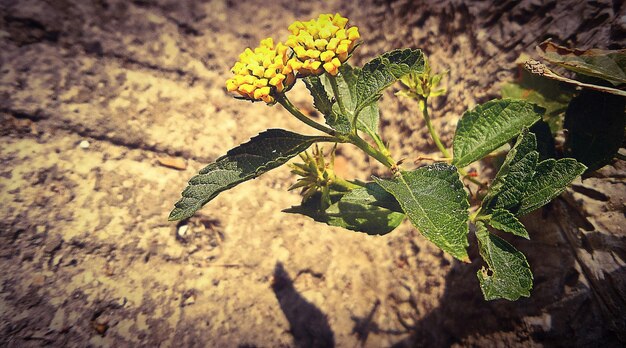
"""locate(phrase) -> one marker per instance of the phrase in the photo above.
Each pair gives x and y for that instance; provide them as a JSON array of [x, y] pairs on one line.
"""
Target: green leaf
[[514, 176], [489, 126], [554, 96], [262, 153], [595, 122], [509, 274], [347, 84], [361, 210], [550, 180], [607, 65], [504, 220], [384, 70], [435, 201], [322, 102], [373, 194]]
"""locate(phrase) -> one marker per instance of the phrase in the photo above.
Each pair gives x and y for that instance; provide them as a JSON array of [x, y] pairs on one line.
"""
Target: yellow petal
[[331, 68], [327, 56], [332, 44], [353, 33], [246, 88], [342, 48], [340, 21]]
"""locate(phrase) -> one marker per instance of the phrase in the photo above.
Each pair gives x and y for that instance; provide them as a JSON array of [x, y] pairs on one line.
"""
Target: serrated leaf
[[489, 126], [361, 210], [435, 201], [509, 275], [321, 100], [595, 122], [262, 153], [514, 176], [607, 65], [504, 220], [550, 180], [384, 70], [551, 95]]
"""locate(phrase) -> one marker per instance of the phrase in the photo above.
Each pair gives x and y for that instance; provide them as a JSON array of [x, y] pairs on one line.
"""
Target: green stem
[[431, 129], [335, 87], [339, 184], [381, 157], [282, 100]]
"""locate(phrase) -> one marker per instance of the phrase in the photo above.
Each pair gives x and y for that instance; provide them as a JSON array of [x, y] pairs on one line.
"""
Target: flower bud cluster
[[316, 46], [258, 71], [322, 44]]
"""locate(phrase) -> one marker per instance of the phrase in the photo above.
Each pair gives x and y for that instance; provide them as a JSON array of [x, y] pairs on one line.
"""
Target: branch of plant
[[431, 129], [282, 99], [380, 156]]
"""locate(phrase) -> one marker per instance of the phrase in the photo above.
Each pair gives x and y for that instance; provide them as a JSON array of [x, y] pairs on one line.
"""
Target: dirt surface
[[96, 95]]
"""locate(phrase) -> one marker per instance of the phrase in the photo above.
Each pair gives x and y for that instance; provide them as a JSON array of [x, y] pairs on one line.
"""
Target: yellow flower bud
[[327, 56], [321, 44], [260, 83], [340, 21], [263, 71], [248, 89], [331, 68], [353, 33]]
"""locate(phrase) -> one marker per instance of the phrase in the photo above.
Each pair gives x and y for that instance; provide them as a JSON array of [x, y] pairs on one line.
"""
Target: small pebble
[[182, 231], [84, 144]]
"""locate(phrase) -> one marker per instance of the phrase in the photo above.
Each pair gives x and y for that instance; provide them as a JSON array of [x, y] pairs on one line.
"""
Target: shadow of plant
[[566, 308], [307, 323]]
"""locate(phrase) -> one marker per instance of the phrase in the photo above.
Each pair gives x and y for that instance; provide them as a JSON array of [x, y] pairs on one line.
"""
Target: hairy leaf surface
[[435, 201], [550, 180], [489, 126], [514, 176], [262, 153], [509, 274], [369, 209], [504, 220], [384, 70]]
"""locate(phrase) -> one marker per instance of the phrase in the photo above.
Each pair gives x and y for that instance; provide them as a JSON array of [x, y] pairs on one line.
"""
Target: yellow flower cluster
[[258, 71], [317, 45], [322, 44]]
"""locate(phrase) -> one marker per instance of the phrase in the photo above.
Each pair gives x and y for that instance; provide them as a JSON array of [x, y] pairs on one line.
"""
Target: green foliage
[[262, 153], [554, 96], [550, 180], [514, 176], [368, 209], [595, 123], [489, 126], [384, 70], [434, 200], [508, 275], [433, 197], [505, 221]]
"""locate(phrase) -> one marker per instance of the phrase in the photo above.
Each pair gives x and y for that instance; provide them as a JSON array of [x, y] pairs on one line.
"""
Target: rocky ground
[[96, 96]]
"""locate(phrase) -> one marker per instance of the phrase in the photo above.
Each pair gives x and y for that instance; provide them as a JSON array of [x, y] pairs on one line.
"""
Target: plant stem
[[380, 156], [431, 129], [335, 87], [339, 184], [286, 103]]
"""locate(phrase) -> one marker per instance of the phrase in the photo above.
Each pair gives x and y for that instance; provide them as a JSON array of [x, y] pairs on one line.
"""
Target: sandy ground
[[94, 93]]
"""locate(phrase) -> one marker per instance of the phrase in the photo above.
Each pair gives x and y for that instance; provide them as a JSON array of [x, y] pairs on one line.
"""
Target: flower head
[[322, 44], [263, 70]]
